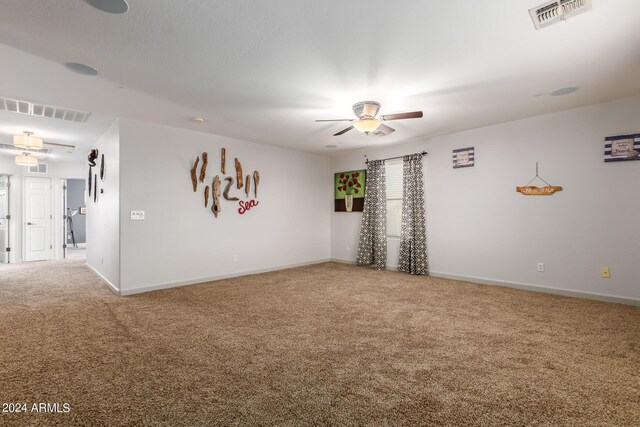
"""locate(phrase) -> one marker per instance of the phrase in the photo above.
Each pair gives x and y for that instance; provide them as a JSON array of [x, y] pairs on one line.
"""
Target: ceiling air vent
[[557, 10], [42, 110], [41, 168]]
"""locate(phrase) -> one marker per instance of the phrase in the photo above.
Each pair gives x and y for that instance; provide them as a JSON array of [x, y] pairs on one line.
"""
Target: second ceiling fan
[[368, 123]]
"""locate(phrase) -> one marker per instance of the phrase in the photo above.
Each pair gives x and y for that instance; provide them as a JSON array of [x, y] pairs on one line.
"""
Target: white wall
[[57, 172], [180, 241], [480, 228], [103, 217]]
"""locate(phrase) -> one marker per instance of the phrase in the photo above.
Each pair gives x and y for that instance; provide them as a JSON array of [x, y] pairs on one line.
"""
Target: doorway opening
[[75, 223], [5, 219]]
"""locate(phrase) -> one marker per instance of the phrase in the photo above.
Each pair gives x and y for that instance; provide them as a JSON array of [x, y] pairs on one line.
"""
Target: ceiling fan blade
[[343, 131], [336, 120], [382, 130], [400, 116]]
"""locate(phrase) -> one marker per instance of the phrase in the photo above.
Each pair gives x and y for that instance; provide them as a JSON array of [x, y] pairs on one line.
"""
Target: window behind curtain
[[393, 171]]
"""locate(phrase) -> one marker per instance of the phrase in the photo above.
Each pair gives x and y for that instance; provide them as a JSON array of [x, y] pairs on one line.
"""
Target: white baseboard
[[218, 277], [538, 288], [343, 261], [111, 286], [352, 262]]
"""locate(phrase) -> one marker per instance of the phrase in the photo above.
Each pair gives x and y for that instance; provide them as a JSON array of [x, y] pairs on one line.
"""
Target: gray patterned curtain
[[413, 233], [372, 246]]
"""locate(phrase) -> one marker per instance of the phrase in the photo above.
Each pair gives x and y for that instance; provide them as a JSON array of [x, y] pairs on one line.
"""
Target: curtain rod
[[424, 153]]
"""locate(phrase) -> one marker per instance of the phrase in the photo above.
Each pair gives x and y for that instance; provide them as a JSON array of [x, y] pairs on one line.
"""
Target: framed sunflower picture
[[349, 191]]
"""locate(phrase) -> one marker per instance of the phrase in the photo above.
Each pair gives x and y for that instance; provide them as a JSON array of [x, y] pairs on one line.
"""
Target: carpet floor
[[328, 344]]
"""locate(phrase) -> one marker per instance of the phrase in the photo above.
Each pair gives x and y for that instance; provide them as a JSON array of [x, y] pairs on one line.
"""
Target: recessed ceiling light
[[198, 120], [110, 6], [83, 69], [564, 91], [331, 146]]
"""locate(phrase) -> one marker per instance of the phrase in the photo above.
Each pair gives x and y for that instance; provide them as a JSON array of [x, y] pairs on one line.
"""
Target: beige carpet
[[323, 345]]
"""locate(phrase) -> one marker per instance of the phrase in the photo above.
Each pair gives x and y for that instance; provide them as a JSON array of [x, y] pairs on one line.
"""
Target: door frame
[[11, 236], [24, 216], [65, 231], [60, 223]]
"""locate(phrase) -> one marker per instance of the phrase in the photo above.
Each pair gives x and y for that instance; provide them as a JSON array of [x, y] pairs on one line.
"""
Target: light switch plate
[[137, 215]]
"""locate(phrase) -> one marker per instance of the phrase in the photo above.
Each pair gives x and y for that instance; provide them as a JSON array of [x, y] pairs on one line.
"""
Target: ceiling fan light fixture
[[366, 125], [26, 159], [364, 109], [27, 141]]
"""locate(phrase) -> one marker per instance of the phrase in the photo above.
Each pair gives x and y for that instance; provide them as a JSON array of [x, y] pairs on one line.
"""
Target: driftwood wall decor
[[214, 190], [227, 188], [531, 190], [194, 178], [239, 173], [215, 207], [256, 181], [95, 188], [102, 168], [203, 170]]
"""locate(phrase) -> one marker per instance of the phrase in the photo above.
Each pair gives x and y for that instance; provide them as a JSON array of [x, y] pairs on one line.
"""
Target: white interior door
[[37, 219], [4, 219]]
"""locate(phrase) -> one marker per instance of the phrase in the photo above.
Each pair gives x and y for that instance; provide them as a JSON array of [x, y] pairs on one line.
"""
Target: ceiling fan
[[368, 123]]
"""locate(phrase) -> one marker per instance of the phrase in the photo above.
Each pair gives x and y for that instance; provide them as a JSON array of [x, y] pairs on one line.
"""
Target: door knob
[[29, 223]]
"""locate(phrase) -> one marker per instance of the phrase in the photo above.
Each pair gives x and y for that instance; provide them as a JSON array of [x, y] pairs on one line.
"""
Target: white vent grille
[[42, 110], [558, 10], [41, 168]]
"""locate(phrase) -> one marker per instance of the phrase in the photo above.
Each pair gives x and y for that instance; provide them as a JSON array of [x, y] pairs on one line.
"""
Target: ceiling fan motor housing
[[366, 109]]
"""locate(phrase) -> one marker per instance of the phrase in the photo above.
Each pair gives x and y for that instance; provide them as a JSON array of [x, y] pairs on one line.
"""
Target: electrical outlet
[[346, 247], [102, 260], [541, 267], [605, 273], [234, 258], [137, 215]]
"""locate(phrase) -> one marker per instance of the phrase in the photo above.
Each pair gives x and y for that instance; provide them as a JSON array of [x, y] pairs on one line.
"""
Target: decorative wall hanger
[[213, 190], [256, 181], [90, 182], [194, 177], [239, 173], [227, 188], [529, 190], [92, 178], [93, 155], [463, 157], [102, 168], [205, 161], [622, 147], [215, 207]]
